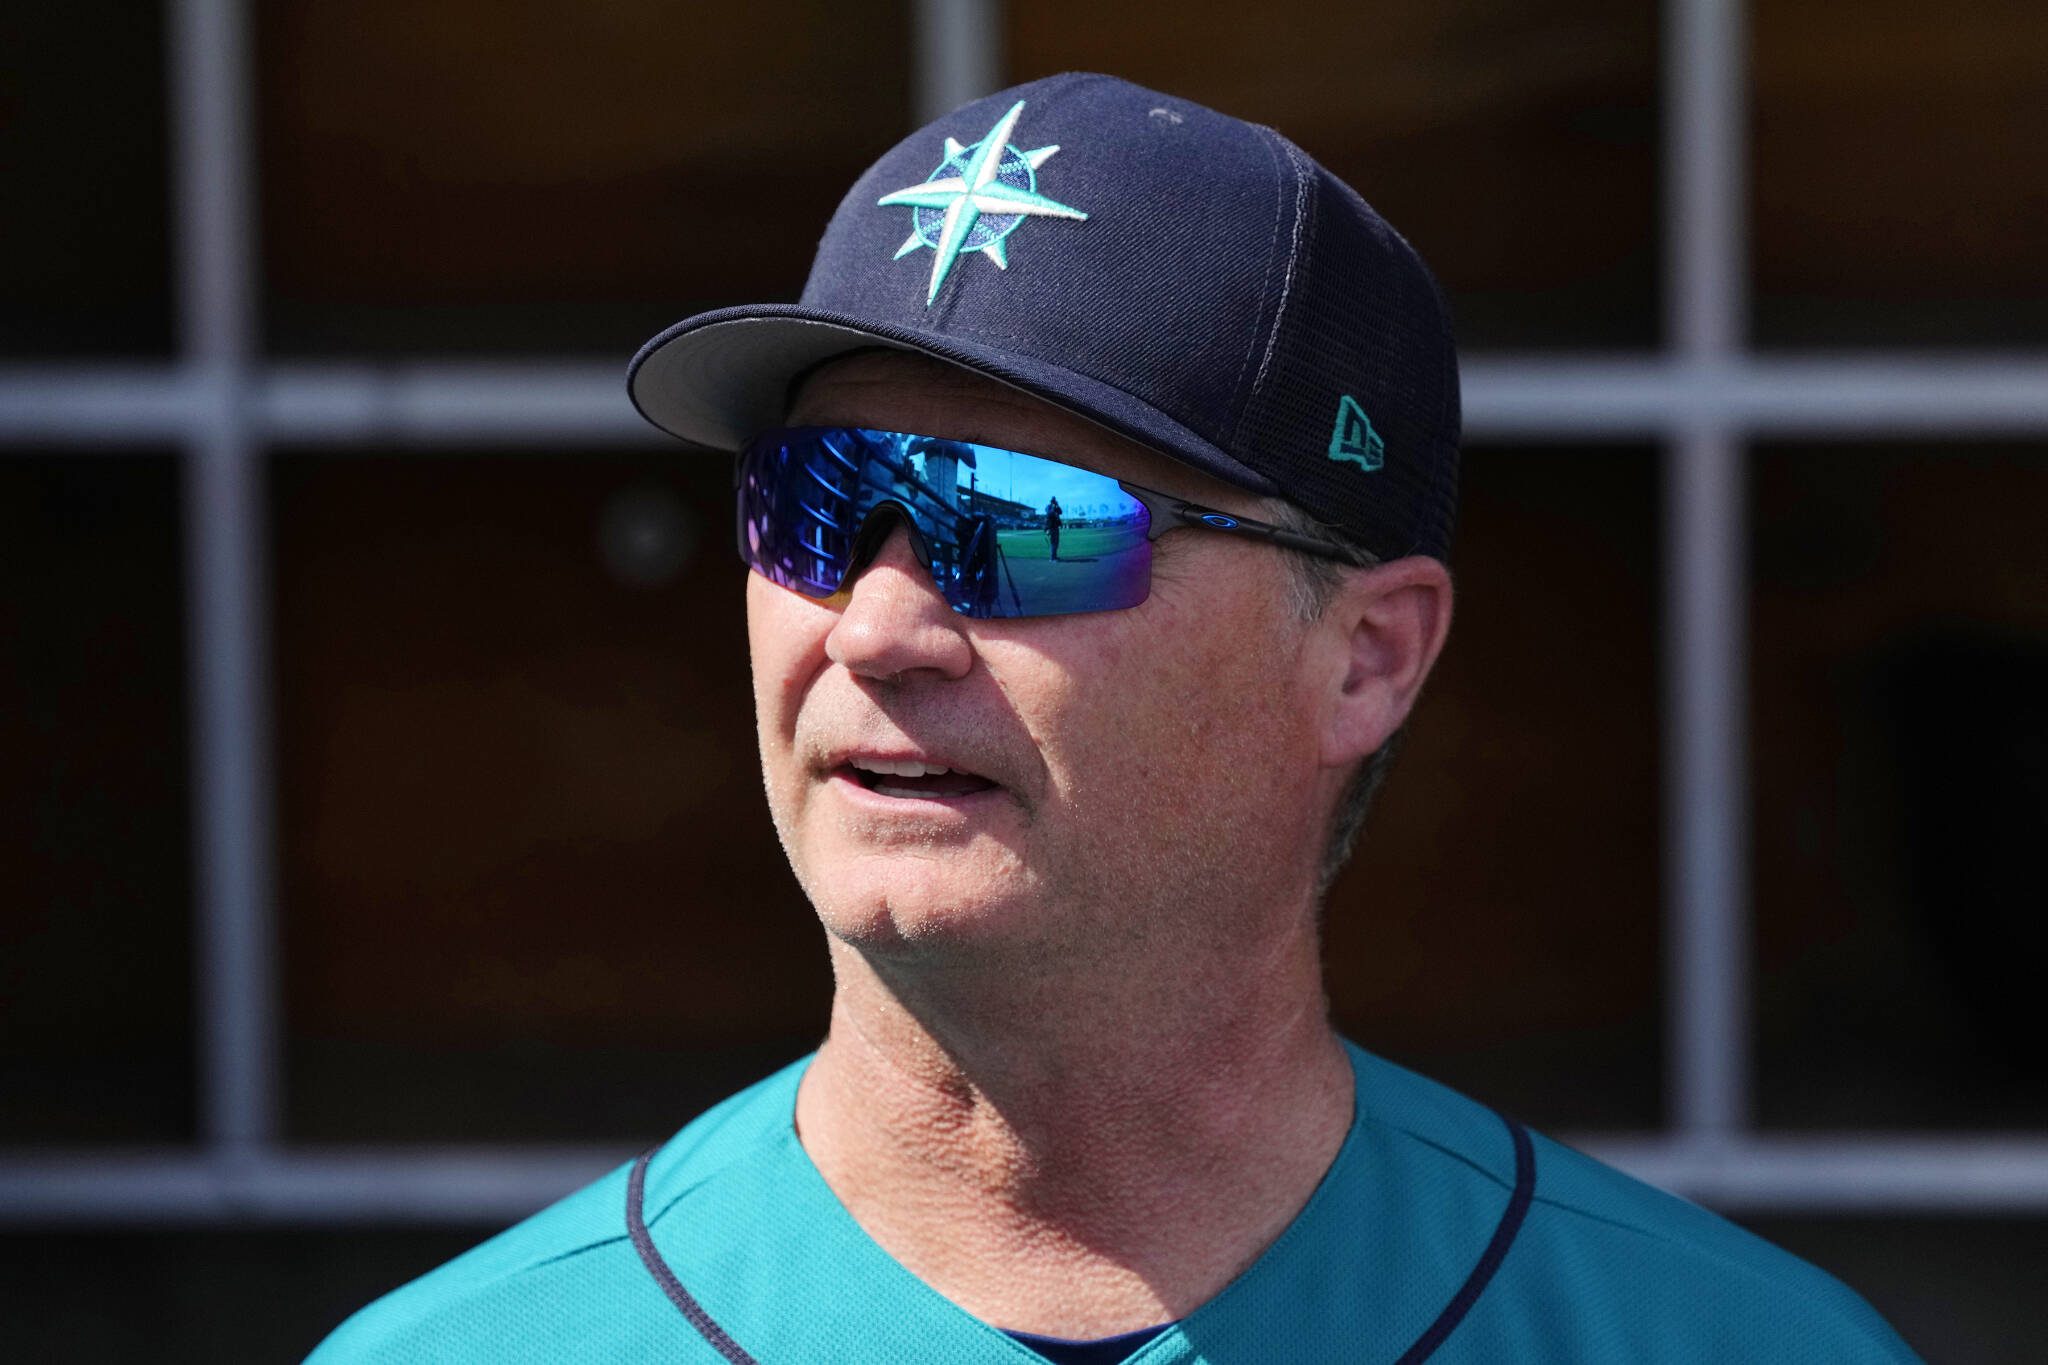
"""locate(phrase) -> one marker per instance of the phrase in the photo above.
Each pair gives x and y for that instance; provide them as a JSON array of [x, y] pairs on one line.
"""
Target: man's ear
[[1384, 627]]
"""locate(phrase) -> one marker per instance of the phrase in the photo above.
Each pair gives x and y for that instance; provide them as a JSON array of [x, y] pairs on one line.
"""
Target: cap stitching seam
[[1265, 285], [1301, 189]]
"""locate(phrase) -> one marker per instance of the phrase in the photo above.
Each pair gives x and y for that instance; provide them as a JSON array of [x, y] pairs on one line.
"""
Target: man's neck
[[1057, 1157]]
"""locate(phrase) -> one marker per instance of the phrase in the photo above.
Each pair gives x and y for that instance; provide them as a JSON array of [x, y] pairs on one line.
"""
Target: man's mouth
[[908, 779]]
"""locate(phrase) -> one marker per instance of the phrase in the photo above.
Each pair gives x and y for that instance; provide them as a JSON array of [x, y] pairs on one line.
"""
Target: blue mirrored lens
[[1006, 534]]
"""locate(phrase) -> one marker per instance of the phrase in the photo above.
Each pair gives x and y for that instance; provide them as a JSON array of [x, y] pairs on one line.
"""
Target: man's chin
[[910, 907]]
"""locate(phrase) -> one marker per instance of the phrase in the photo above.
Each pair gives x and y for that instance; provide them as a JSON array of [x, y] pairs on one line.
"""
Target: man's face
[[1148, 777]]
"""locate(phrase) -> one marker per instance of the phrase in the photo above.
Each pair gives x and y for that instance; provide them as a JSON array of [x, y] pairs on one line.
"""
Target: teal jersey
[[1440, 1232]]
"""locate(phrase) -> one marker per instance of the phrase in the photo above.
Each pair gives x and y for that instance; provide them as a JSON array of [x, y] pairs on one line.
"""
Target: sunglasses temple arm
[[1194, 514]]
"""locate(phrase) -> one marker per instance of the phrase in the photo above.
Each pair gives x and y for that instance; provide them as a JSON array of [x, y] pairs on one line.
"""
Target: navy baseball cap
[[1188, 280]]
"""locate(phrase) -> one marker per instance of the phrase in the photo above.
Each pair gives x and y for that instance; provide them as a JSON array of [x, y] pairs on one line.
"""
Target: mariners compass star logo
[[975, 199]]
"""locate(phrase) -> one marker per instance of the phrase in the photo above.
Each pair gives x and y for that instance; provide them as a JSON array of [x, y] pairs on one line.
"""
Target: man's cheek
[[1128, 758]]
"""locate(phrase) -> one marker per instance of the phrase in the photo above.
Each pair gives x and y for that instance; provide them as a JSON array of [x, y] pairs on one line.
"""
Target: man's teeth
[[886, 790], [908, 767], [882, 775]]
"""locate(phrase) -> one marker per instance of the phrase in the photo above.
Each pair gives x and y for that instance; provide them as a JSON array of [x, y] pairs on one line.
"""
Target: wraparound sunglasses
[[1004, 534]]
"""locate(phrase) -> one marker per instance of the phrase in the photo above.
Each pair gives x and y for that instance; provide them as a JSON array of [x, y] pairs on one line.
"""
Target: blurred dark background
[[525, 885]]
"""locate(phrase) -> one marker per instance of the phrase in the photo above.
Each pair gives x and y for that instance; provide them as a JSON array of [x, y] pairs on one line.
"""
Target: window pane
[[459, 175], [96, 942], [1957, 1289], [202, 1295], [1898, 171], [1483, 132], [86, 270], [530, 885], [1899, 671], [1498, 928]]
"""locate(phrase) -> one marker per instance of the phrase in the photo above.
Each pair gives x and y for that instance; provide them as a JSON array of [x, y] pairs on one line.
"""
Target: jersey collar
[[1386, 1245]]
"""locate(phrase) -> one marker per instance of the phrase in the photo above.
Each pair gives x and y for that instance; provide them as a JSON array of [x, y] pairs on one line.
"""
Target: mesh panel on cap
[[1364, 320]]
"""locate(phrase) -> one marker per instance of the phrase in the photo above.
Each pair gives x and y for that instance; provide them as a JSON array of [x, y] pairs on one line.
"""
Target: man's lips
[[910, 777]]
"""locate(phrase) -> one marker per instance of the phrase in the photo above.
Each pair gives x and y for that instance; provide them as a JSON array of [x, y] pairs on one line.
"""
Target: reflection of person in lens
[[1052, 526], [978, 566]]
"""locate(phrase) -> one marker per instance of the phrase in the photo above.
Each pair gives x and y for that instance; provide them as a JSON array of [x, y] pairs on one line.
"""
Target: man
[[1080, 1099], [1052, 527]]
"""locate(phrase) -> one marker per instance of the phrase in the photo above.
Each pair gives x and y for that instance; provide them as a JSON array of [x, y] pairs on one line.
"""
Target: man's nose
[[895, 621]]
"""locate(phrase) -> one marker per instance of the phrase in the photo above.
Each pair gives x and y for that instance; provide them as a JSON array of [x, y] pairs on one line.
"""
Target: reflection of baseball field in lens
[[1099, 567]]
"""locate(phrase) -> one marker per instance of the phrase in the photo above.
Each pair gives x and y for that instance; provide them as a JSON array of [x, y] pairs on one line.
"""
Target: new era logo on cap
[[1354, 439]]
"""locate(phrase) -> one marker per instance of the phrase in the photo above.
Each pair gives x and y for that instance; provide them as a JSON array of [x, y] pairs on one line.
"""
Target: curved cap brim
[[716, 379]]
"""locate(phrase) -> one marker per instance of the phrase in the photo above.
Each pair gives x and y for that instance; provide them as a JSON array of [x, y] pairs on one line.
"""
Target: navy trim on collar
[[1454, 1312], [1489, 1260], [643, 1242]]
